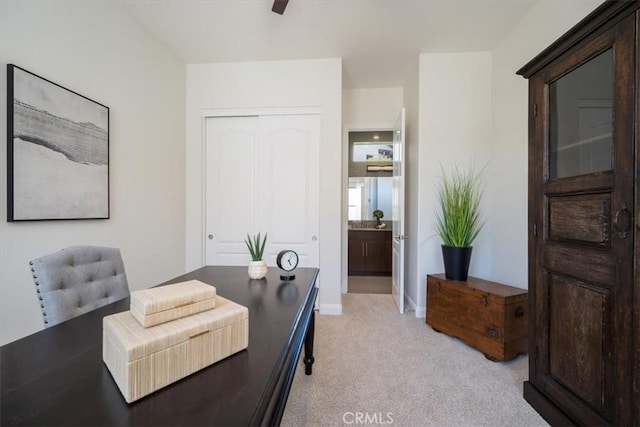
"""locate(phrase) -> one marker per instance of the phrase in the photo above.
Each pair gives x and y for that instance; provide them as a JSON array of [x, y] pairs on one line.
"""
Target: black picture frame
[[57, 151]]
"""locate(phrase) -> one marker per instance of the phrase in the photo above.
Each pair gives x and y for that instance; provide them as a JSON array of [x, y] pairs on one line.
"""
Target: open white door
[[398, 213]]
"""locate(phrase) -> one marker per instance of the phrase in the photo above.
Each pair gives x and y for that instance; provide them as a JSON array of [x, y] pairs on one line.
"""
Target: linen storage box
[[143, 360], [165, 303]]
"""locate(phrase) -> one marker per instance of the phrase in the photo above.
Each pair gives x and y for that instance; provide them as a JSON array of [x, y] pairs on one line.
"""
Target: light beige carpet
[[378, 367], [369, 284]]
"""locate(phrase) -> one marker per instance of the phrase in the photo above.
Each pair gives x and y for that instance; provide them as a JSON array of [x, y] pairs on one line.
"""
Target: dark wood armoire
[[584, 296]]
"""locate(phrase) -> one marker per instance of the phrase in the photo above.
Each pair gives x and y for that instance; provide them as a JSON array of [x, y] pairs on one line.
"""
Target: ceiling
[[378, 40]]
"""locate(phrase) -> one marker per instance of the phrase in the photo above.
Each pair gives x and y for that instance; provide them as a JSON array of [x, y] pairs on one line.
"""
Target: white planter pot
[[257, 269]]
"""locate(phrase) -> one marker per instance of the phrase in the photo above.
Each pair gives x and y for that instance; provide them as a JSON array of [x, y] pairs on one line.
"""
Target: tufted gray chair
[[76, 280]]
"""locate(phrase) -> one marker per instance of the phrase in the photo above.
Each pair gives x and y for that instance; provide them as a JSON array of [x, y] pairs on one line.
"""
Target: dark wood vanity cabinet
[[369, 252], [584, 296]]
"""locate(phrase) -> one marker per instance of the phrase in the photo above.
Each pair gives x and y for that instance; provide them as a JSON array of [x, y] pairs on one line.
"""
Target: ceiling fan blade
[[279, 6]]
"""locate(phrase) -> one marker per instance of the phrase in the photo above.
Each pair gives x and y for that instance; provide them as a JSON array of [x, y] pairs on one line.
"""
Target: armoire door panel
[[577, 339], [596, 182], [588, 264], [583, 219], [581, 119]]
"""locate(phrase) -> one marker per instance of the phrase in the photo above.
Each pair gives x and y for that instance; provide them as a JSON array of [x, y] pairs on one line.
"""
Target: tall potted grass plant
[[459, 219]]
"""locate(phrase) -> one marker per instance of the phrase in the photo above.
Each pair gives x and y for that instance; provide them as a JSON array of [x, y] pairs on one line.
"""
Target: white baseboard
[[411, 304], [331, 309]]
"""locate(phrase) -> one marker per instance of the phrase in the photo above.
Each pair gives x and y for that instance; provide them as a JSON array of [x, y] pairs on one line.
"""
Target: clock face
[[287, 260]]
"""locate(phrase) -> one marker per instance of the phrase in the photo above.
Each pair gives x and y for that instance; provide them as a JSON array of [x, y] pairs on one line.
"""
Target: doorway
[[397, 236], [369, 217]]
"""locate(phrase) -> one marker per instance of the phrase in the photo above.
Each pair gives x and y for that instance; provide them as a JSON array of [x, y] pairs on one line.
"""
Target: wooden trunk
[[488, 316]]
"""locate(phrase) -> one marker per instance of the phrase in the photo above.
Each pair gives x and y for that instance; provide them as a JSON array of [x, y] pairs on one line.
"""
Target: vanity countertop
[[369, 229]]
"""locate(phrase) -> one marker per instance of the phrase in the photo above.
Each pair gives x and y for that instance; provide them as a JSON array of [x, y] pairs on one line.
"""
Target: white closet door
[[230, 202], [290, 185], [262, 175]]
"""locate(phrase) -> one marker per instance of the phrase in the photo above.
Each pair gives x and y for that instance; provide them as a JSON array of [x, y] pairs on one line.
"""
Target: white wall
[[97, 50], [275, 84], [455, 126], [363, 109], [507, 192], [377, 107]]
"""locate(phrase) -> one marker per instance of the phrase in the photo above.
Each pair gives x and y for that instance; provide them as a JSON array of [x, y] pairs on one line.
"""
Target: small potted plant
[[378, 214], [459, 220], [257, 266]]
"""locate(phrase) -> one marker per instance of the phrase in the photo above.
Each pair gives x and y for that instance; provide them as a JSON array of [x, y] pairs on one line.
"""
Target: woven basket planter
[[257, 269]]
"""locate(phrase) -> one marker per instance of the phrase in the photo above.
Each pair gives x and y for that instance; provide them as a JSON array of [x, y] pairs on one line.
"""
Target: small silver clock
[[287, 261]]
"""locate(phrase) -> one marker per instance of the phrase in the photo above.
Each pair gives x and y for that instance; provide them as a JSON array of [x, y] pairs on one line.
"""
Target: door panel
[[588, 264], [581, 219], [577, 339], [230, 191], [581, 119], [397, 278], [582, 275], [356, 256], [262, 175], [288, 162], [375, 252]]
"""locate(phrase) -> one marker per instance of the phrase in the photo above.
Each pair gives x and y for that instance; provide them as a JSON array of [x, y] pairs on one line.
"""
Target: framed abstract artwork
[[57, 151]]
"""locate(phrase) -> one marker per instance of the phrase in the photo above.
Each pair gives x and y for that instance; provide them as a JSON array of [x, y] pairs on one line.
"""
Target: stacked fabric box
[[169, 333]]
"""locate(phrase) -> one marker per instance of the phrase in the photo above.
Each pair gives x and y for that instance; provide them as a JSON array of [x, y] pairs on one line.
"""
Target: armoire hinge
[[535, 230], [535, 110]]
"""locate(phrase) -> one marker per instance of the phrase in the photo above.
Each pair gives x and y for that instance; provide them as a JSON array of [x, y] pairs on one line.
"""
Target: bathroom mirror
[[379, 152], [368, 194], [370, 149]]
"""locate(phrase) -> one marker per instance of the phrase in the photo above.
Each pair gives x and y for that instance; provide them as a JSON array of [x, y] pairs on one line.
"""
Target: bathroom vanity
[[370, 252]]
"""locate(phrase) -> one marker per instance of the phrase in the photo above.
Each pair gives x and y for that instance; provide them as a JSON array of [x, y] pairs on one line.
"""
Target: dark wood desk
[[57, 376]]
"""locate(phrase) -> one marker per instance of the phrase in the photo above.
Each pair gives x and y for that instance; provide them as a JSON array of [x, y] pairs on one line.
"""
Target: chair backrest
[[76, 280]]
